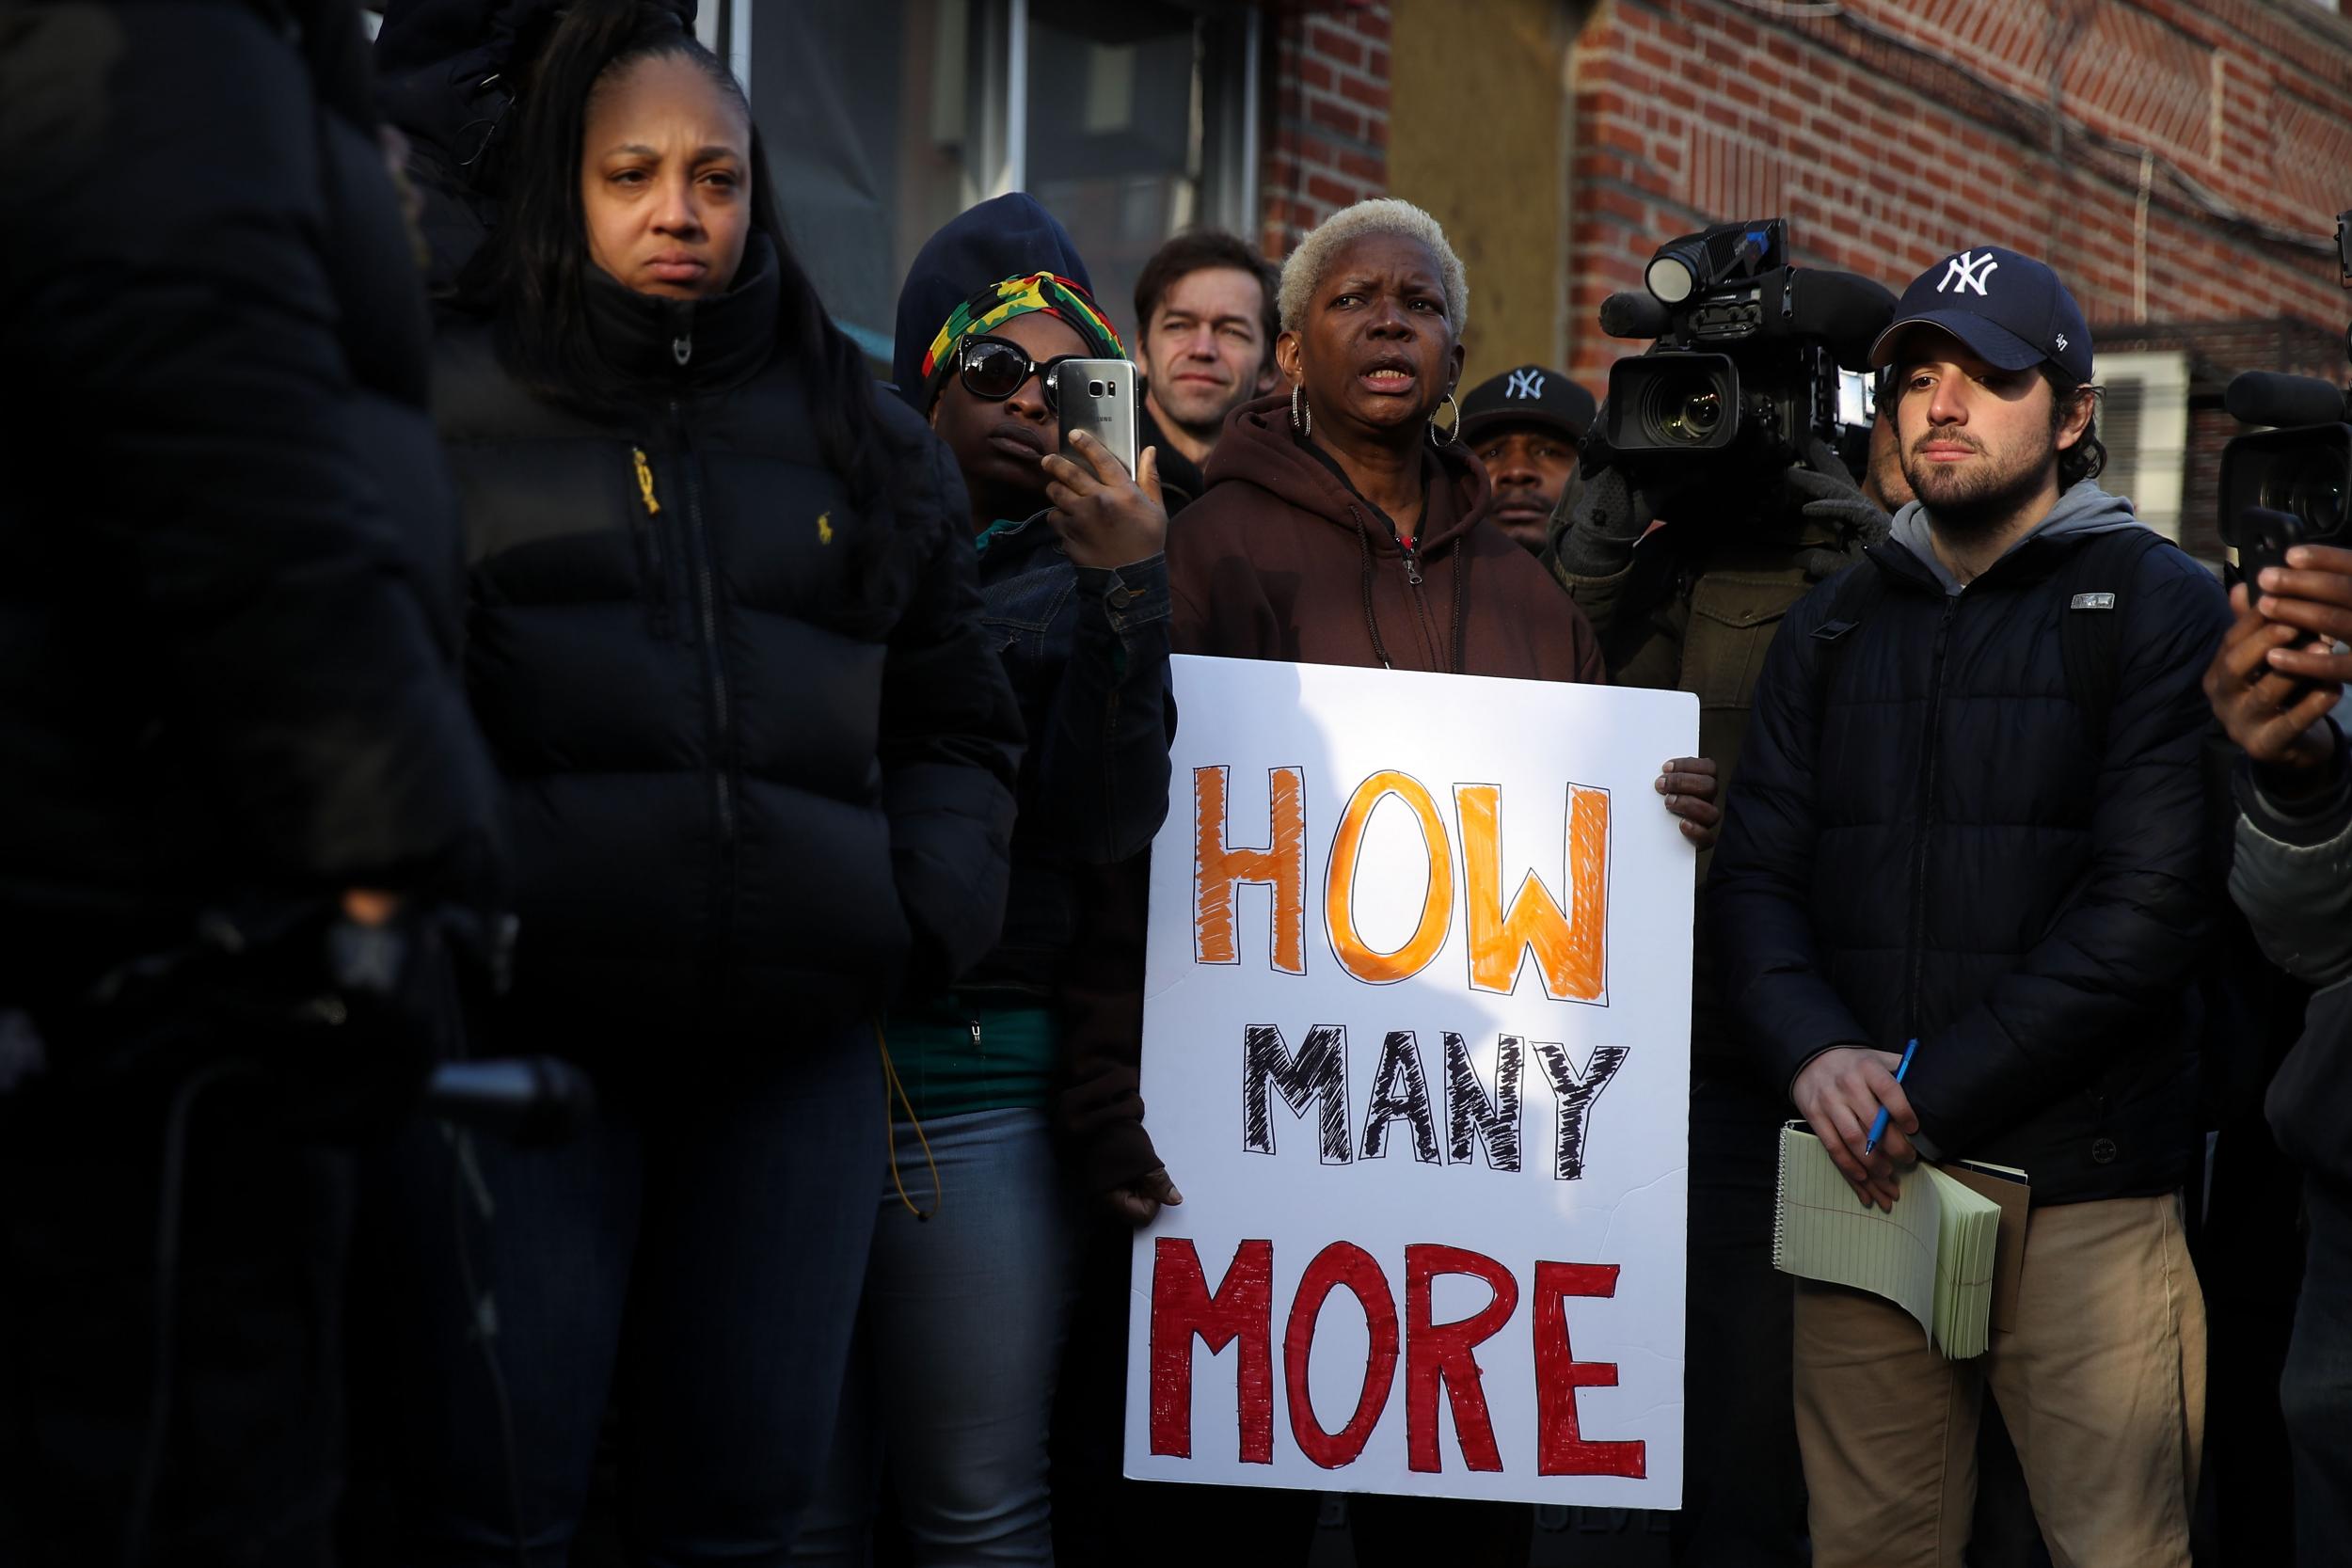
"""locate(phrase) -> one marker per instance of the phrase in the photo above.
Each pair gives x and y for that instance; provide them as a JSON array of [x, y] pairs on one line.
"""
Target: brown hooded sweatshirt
[[1280, 559]]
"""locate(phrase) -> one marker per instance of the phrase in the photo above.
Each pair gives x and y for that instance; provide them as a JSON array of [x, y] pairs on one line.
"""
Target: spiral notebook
[[1935, 1256]]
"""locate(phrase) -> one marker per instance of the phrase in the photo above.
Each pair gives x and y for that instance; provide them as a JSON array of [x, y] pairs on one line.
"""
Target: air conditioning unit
[[2143, 421]]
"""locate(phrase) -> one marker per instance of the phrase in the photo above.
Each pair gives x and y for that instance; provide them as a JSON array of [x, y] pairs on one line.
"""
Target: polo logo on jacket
[[824, 528]]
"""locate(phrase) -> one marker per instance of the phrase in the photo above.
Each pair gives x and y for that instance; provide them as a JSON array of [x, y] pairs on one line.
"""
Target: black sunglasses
[[995, 368]]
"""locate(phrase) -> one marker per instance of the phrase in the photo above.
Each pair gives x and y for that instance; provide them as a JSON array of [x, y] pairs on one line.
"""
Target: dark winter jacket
[[1085, 649], [229, 562], [1923, 842], [2292, 874], [1179, 478], [759, 761], [1280, 559]]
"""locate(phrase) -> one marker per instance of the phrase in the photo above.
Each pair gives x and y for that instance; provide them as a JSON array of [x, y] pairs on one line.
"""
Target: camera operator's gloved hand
[[1606, 515], [1831, 496]]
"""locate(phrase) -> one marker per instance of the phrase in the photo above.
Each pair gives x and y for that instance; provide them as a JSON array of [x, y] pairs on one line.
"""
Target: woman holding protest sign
[[1344, 525]]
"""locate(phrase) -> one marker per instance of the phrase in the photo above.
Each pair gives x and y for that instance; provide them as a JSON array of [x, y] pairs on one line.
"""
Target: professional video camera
[[2290, 485], [1746, 362]]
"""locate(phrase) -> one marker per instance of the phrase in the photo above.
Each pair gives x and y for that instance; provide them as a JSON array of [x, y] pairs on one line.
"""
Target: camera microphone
[[1842, 309], [525, 1099], [2267, 397], [1634, 314]]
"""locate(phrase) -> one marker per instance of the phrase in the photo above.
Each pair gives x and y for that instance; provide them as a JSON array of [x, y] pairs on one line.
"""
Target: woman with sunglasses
[[724, 640], [952, 1376]]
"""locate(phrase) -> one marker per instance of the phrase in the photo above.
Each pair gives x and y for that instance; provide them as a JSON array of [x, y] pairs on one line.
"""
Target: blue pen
[[1878, 1123]]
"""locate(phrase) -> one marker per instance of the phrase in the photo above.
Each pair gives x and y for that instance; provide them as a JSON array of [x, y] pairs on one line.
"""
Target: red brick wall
[[1904, 129], [1327, 144]]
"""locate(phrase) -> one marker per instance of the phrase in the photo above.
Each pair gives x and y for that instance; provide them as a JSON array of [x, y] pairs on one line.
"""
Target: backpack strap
[[1858, 588], [2095, 586]]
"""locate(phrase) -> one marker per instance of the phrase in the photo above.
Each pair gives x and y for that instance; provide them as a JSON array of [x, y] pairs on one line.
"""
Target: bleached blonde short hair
[[1303, 273]]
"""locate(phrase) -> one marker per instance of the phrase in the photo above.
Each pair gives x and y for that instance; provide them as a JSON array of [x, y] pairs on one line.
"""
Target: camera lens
[[2308, 484], [1700, 413], [1685, 411]]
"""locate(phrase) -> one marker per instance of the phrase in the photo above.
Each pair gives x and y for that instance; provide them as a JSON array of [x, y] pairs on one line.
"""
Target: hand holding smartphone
[[1107, 505], [1097, 396]]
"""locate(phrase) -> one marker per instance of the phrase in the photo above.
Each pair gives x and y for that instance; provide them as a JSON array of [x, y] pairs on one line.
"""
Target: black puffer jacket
[[1921, 842], [229, 559], [759, 761]]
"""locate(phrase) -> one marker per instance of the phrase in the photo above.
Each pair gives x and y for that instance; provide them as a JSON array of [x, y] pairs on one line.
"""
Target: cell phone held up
[[1097, 396]]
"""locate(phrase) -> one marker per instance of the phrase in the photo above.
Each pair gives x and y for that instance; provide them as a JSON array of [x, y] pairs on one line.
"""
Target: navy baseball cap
[[2010, 309], [1528, 395]]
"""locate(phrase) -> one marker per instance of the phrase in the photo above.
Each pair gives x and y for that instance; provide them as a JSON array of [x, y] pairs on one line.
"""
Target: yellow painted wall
[[1478, 134]]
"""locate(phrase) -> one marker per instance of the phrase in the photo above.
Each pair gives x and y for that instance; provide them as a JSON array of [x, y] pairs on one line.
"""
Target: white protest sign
[[1415, 1047]]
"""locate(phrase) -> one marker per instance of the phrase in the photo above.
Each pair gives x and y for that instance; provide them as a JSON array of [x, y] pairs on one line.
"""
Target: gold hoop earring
[[1446, 438], [1302, 416]]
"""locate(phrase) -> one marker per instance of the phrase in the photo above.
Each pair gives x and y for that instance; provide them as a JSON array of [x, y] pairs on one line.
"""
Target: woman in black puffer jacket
[[724, 640]]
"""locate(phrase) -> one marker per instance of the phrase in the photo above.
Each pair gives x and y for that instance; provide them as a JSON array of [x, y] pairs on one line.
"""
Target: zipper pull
[[682, 349], [973, 1024], [1412, 568], [644, 480]]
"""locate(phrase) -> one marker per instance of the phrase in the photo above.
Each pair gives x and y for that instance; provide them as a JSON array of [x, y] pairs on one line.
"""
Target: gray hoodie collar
[[2083, 509]]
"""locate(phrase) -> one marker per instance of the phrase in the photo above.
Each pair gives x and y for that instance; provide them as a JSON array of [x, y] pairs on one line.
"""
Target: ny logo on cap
[[1969, 270], [1525, 384]]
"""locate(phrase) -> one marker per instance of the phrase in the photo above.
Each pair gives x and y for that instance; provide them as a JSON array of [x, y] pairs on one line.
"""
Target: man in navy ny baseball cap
[[1995, 419], [2010, 309], [1524, 425]]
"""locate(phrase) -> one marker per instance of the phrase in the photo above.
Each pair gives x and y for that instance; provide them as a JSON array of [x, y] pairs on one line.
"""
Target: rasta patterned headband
[[999, 303]]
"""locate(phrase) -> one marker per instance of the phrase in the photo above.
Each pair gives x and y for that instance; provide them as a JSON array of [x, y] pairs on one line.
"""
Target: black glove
[[1604, 518], [1831, 498]]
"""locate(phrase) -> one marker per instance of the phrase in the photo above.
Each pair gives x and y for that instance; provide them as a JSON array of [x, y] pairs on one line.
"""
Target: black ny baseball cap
[[1528, 395], [2010, 309]]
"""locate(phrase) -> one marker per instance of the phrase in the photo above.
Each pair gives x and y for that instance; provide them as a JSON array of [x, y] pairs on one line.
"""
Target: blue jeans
[[693, 1259], [951, 1380]]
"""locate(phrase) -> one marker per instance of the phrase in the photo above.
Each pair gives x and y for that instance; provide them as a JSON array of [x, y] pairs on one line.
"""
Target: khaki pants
[[2102, 1383]]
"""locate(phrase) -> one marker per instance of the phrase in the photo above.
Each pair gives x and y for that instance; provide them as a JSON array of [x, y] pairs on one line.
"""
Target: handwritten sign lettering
[[1416, 1047]]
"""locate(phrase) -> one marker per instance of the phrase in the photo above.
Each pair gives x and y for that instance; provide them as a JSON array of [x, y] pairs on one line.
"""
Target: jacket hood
[[2084, 508], [1259, 446], [1005, 237], [443, 66]]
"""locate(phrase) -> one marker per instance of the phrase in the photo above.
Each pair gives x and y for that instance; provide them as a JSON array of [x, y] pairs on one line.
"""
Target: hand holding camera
[[2271, 686]]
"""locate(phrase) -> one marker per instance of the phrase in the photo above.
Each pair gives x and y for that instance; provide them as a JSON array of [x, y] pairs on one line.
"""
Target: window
[[883, 119]]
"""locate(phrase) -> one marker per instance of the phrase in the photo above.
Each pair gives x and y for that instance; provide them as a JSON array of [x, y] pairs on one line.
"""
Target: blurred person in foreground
[[236, 745]]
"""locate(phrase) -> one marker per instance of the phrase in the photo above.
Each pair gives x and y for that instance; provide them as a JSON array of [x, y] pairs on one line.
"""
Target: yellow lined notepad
[[1933, 1256]]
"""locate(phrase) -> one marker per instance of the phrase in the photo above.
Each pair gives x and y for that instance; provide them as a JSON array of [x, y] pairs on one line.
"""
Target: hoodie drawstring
[[1461, 597], [1372, 621]]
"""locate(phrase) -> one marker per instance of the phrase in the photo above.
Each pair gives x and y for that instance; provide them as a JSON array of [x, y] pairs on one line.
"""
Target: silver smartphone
[[1098, 396]]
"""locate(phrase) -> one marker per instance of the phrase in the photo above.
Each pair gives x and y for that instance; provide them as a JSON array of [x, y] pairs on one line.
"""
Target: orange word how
[[1568, 939]]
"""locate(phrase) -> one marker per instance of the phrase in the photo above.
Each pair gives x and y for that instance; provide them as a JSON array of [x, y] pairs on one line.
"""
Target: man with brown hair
[[1969, 818], [1204, 336]]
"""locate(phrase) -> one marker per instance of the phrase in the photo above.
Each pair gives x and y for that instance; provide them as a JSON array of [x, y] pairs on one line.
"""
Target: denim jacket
[[1085, 649]]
